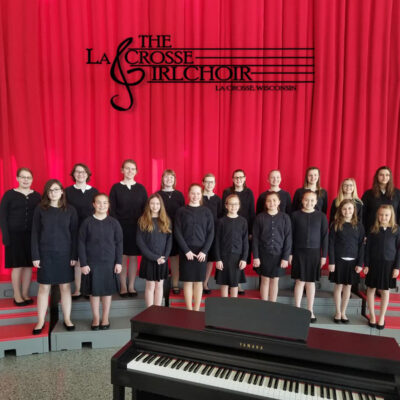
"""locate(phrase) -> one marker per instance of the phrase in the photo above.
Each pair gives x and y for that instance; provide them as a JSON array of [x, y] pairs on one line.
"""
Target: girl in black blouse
[[310, 248], [173, 200], [127, 201], [80, 195], [154, 239], [382, 261], [272, 245], [214, 203], [194, 232], [312, 181], [54, 250], [16, 213], [346, 255]]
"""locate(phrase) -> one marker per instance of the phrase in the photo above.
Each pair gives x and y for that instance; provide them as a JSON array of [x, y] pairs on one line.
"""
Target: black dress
[[82, 201], [214, 203], [346, 251], [322, 200], [100, 247], [127, 205], [359, 209], [310, 243], [272, 242], [173, 200], [231, 246], [284, 197], [54, 243], [16, 214], [194, 231], [382, 256], [153, 245], [372, 203]]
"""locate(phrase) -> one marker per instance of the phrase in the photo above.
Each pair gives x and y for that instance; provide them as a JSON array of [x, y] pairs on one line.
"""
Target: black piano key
[[344, 395], [181, 362], [276, 383], [328, 393], [159, 361], [290, 385], [312, 389], [151, 359], [250, 378], [296, 387], [175, 363], [210, 369], [271, 380], [255, 380], [262, 380], [306, 388], [141, 355], [322, 391], [218, 372], [204, 369], [146, 358], [334, 394], [351, 395], [235, 378], [197, 368], [169, 361], [241, 376], [228, 374], [285, 385], [191, 369], [187, 366]]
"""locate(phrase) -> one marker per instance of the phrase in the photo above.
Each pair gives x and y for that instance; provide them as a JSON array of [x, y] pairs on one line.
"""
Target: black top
[[310, 231], [172, 201], [272, 234], [54, 229], [16, 212], [359, 207], [246, 209], [372, 203], [322, 200], [231, 237], [284, 197], [82, 201], [194, 228], [384, 245], [348, 242], [127, 205], [214, 203], [100, 241], [154, 244]]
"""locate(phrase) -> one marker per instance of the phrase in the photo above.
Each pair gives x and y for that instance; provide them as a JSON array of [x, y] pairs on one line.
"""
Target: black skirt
[[129, 240], [151, 271], [344, 273], [231, 273], [271, 265], [380, 275], [55, 268], [101, 281], [306, 265], [18, 253], [192, 271]]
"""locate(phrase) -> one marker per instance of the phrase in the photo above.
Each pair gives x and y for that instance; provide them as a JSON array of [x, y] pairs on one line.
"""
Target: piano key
[[192, 367], [312, 387], [209, 371], [236, 376], [197, 367], [228, 374], [176, 362], [250, 378], [276, 383], [160, 360], [270, 382], [147, 357], [306, 389], [186, 367], [262, 380], [296, 389], [139, 356], [242, 374], [181, 364]]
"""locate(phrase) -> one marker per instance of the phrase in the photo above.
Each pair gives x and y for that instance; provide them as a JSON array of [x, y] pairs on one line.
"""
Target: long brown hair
[[376, 189], [339, 218], [146, 222], [318, 185], [45, 202], [392, 222]]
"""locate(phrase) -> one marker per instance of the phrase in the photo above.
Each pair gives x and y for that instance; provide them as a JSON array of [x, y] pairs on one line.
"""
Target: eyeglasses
[[25, 177], [239, 177], [348, 185], [205, 182], [80, 172], [54, 190], [233, 204]]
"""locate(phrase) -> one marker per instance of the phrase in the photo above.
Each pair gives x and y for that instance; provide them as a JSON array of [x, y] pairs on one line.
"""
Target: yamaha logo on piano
[[250, 346]]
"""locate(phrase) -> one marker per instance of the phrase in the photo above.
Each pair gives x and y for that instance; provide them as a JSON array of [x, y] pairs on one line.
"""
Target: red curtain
[[55, 108]]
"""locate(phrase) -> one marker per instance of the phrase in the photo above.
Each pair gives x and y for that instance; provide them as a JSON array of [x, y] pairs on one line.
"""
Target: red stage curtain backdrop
[[55, 108]]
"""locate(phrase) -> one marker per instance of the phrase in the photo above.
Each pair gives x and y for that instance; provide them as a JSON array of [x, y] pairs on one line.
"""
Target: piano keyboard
[[239, 381]]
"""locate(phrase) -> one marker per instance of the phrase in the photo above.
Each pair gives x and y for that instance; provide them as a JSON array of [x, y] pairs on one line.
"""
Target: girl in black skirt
[[213, 202], [100, 254], [346, 255], [16, 213], [173, 200], [54, 250], [310, 248], [231, 247], [194, 232], [127, 201], [382, 261], [272, 245], [154, 239]]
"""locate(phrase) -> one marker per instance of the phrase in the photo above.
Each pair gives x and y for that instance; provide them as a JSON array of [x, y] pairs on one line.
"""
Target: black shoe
[[241, 292], [337, 320], [206, 291], [69, 328], [104, 327], [20, 303], [37, 331], [345, 321], [132, 294], [76, 297], [95, 327], [28, 301], [124, 294], [380, 327], [313, 320], [176, 290], [372, 324]]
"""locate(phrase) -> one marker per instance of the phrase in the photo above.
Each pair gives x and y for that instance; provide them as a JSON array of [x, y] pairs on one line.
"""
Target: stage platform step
[[19, 339], [10, 314], [118, 334], [6, 290]]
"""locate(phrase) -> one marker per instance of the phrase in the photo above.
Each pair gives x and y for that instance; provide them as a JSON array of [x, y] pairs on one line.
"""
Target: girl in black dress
[[194, 232], [154, 239], [312, 181], [382, 261], [16, 213], [127, 201], [272, 245], [213, 202], [80, 195], [348, 190], [310, 248], [346, 255], [100, 253], [382, 192], [231, 247], [173, 200], [274, 180], [54, 250]]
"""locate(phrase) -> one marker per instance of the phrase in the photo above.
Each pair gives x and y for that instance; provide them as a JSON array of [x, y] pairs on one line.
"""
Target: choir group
[[79, 235]]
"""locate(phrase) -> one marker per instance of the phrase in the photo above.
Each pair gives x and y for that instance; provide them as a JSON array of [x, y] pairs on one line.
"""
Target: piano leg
[[118, 392], [140, 395]]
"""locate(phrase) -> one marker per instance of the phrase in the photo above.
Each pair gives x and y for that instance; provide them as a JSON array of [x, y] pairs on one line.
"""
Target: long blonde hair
[[339, 218], [146, 222], [340, 195], [392, 222]]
